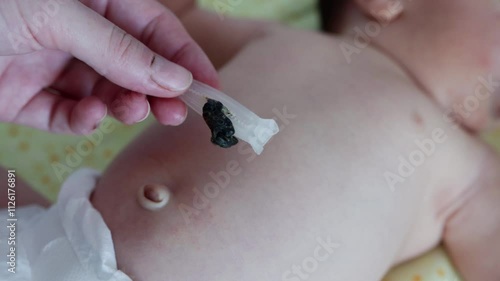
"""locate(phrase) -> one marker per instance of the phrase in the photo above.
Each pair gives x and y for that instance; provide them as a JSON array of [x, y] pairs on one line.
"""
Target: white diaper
[[67, 242]]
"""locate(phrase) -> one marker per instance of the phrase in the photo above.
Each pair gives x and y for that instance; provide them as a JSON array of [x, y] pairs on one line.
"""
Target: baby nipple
[[153, 197]]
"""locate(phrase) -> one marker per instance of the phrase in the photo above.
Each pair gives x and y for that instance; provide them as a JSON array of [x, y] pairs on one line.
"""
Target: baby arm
[[472, 234]]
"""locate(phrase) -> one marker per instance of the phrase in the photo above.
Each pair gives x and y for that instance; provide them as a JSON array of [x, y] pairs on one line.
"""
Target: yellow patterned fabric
[[299, 13], [45, 160], [433, 266]]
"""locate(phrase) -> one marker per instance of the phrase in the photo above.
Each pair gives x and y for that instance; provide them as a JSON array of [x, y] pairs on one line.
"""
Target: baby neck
[[401, 41]]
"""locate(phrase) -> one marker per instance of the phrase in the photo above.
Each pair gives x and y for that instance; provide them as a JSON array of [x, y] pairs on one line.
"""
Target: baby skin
[[366, 172]]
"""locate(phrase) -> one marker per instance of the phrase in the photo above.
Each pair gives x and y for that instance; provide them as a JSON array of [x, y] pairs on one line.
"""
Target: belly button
[[153, 197]]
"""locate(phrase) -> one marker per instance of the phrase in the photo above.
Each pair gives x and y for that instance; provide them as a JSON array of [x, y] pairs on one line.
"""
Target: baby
[[367, 169]]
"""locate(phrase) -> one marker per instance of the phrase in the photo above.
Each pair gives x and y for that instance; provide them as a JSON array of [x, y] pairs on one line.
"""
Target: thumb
[[114, 53]]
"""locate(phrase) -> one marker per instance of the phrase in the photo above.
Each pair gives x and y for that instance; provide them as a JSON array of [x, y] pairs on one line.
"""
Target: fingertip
[[170, 76], [170, 112], [130, 107], [147, 113], [87, 115]]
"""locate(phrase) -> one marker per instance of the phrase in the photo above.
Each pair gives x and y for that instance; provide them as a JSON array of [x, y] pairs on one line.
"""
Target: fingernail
[[170, 76], [147, 114], [178, 119], [98, 123]]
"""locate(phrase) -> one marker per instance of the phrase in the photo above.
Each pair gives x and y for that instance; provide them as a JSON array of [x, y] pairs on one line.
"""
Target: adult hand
[[65, 63]]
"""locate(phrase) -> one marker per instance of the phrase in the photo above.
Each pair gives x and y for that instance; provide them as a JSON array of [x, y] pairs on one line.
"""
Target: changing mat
[[35, 154]]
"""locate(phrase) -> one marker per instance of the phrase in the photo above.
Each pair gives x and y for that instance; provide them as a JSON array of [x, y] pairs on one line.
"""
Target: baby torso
[[360, 149]]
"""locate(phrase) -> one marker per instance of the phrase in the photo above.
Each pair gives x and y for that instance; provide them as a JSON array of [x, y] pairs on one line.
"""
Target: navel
[[153, 197]]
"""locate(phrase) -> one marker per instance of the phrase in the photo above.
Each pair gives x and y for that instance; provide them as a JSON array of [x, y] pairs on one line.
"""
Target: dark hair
[[331, 14]]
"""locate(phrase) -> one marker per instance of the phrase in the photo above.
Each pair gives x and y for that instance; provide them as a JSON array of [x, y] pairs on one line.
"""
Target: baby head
[[451, 48]]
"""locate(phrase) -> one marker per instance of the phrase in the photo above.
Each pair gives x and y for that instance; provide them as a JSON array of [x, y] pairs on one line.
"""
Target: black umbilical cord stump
[[228, 120], [215, 115]]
